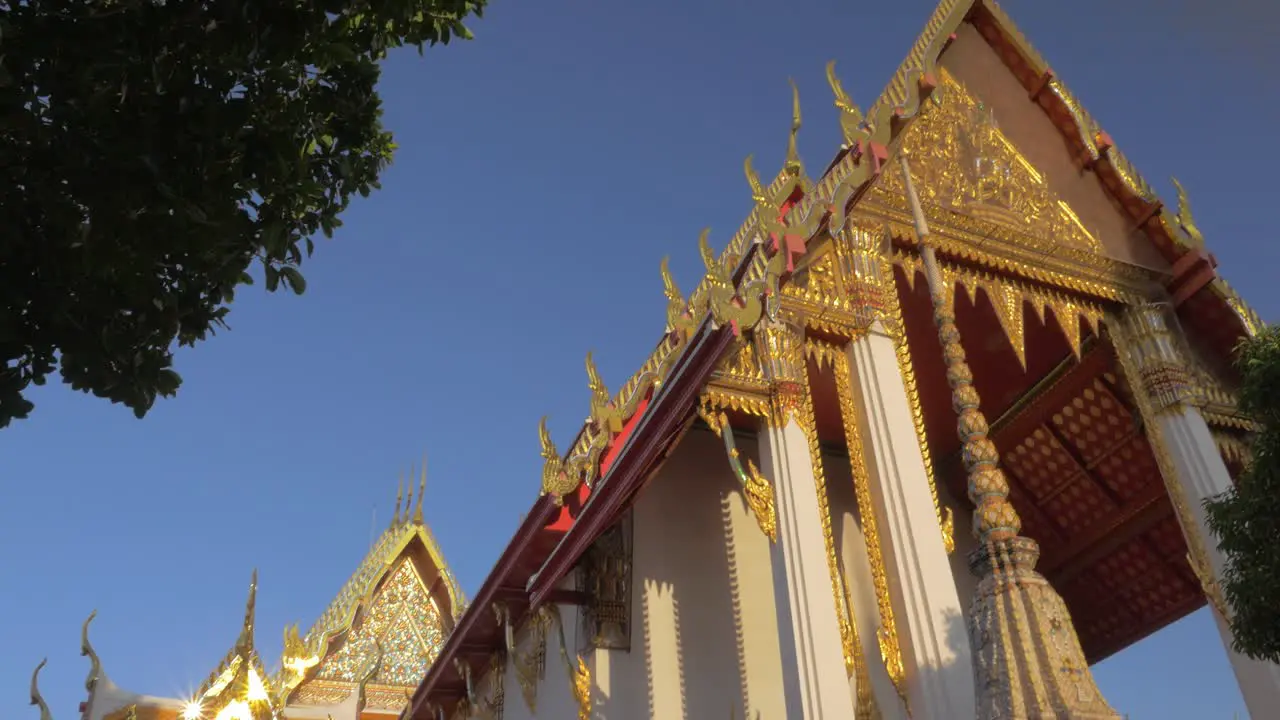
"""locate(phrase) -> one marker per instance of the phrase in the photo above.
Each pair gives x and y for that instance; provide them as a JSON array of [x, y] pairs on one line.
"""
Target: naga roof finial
[[599, 392], [1185, 218], [36, 698], [86, 650], [422, 491], [714, 268], [408, 504], [851, 120], [793, 166]]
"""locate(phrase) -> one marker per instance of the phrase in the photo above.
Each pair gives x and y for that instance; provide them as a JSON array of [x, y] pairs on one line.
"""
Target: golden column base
[[1028, 664]]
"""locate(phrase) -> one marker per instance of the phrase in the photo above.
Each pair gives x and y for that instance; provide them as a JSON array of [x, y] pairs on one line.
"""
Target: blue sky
[[544, 169]]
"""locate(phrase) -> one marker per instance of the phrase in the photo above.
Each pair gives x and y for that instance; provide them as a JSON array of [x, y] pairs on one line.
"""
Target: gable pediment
[[972, 176]]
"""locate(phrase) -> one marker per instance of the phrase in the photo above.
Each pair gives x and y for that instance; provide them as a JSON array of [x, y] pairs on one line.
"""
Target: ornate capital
[[781, 351], [1150, 336], [867, 273]]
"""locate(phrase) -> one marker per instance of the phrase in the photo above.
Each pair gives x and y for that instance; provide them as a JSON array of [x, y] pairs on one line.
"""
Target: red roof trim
[[630, 470], [659, 425]]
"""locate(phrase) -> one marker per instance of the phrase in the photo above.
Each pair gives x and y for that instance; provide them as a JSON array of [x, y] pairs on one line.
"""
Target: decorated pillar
[[807, 585], [926, 650], [1027, 658], [1155, 358]]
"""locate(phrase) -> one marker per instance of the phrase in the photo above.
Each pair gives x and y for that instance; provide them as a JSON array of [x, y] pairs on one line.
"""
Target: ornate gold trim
[[830, 356], [1007, 296], [844, 611], [1197, 550], [579, 672], [757, 491], [303, 654], [526, 649]]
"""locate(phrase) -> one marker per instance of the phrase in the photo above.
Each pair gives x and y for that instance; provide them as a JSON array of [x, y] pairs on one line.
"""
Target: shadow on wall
[[686, 597]]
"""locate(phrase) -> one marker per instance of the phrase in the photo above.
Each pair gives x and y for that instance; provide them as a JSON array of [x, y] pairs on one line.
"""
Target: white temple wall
[[704, 634], [852, 548]]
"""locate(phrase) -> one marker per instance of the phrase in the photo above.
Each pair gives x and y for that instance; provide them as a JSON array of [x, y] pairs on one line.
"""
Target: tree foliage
[[1246, 519], [151, 151]]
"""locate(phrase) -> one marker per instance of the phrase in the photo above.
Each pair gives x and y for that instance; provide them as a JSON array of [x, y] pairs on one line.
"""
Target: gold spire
[[36, 698], [1028, 662], [245, 641], [408, 501], [422, 490], [395, 516], [793, 166]]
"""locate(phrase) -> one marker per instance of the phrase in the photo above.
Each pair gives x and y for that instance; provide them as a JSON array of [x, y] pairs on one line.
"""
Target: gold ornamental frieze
[[1008, 297]]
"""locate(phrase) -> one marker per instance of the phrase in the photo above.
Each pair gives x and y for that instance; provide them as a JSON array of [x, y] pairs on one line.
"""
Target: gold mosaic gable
[[964, 165], [404, 621]]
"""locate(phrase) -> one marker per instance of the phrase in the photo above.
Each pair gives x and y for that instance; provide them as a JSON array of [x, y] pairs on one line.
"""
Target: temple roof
[[371, 646], [237, 688], [394, 611]]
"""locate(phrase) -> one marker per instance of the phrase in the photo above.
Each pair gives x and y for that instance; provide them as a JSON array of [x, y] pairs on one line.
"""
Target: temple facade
[[928, 439], [362, 658]]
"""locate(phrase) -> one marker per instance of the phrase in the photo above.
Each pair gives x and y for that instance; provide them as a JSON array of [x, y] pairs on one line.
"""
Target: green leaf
[[272, 276], [294, 279]]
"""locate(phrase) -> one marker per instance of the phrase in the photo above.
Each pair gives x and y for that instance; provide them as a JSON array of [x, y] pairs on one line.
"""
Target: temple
[[361, 659], [928, 439]]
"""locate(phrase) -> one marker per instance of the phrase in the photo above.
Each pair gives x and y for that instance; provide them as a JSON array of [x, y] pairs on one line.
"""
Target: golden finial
[[555, 481], [753, 180], [676, 305], [714, 268], [408, 499], [36, 697], [793, 166], [245, 642], [599, 393], [422, 490], [850, 114], [395, 516], [544, 437], [86, 650], [1185, 219]]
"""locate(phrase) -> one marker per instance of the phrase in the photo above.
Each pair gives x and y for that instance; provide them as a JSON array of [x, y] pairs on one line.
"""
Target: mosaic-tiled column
[[1154, 356], [809, 626]]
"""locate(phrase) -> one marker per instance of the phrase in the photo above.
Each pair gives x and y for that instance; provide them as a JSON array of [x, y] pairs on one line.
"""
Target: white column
[[812, 659], [1202, 474], [1159, 352], [814, 680], [935, 646]]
